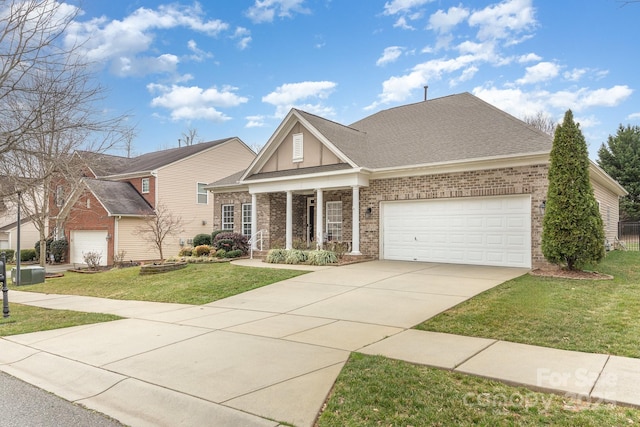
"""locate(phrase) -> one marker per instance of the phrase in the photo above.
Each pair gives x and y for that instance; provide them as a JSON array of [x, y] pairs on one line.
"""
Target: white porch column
[[254, 221], [289, 226], [319, 219], [355, 221]]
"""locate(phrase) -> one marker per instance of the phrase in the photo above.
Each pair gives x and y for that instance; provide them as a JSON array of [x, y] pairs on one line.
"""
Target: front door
[[311, 220]]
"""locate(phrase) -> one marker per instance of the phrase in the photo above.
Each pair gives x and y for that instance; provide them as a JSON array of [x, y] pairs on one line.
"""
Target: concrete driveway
[[269, 354]]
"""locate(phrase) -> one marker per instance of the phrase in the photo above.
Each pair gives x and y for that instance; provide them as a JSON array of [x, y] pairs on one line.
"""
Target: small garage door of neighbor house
[[482, 231], [83, 241]]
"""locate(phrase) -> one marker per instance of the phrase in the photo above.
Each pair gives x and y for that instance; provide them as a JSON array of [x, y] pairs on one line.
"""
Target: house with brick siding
[[105, 210], [451, 179]]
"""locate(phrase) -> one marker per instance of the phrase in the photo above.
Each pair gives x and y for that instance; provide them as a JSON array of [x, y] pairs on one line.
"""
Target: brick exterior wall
[[530, 180]]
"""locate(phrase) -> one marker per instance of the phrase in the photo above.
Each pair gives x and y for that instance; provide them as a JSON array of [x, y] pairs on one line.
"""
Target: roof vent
[[425, 92]]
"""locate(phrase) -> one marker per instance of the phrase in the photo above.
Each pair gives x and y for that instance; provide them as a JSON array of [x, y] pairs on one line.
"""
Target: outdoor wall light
[[108, 236], [368, 212], [542, 207]]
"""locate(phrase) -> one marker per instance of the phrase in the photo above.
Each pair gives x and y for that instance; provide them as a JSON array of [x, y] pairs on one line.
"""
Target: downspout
[[116, 234]]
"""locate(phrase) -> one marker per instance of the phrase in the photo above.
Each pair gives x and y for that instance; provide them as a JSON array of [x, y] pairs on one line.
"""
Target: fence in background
[[629, 235]]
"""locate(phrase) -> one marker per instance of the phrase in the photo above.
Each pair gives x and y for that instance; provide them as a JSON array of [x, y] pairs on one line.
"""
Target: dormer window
[[297, 148], [145, 185]]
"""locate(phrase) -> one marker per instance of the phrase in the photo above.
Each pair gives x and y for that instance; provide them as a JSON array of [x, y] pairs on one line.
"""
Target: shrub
[[58, 249], [232, 241], [300, 244], [92, 259], [220, 253], [37, 247], [233, 254], [202, 239], [215, 233], [322, 257], [186, 251], [118, 259], [27, 254], [9, 253], [201, 250], [276, 256], [340, 248], [295, 256]]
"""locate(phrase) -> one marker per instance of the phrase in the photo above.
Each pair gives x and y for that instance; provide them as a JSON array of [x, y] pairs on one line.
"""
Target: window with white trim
[[298, 149], [145, 185], [334, 221], [203, 195], [227, 217], [246, 219]]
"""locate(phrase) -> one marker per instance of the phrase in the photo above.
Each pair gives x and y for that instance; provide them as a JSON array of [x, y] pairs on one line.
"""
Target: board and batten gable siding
[[314, 153], [177, 186], [609, 210]]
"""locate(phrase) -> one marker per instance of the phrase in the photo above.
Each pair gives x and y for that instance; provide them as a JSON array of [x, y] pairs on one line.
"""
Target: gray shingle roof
[[453, 128], [118, 197]]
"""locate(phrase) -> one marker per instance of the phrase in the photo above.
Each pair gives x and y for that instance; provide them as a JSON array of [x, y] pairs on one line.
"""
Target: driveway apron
[[265, 356]]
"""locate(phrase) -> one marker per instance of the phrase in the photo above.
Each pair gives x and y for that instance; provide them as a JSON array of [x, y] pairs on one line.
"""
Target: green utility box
[[28, 275]]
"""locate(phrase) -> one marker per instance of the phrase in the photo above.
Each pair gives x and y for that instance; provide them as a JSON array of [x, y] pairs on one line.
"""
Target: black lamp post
[[5, 290]]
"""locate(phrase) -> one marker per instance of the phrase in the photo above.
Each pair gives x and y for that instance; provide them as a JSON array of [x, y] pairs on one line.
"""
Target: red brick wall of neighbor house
[[497, 182], [151, 195], [92, 218]]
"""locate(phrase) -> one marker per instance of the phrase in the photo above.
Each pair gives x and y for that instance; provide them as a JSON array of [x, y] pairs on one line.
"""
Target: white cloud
[[125, 41], [542, 71], [291, 95], [529, 57], [243, 36], [402, 6], [467, 74], [125, 66], [390, 54], [198, 54], [267, 10], [255, 121], [443, 22], [634, 116], [193, 102], [575, 74], [401, 22], [504, 20]]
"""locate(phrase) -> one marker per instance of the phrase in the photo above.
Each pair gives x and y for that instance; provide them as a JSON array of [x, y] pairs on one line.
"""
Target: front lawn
[[601, 316], [375, 391], [195, 284], [24, 319]]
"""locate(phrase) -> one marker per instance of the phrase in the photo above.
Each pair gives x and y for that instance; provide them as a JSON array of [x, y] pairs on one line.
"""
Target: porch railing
[[258, 238]]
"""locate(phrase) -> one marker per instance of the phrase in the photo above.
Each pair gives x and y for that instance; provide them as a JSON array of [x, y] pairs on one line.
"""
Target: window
[[203, 195], [334, 221], [297, 148], [246, 219], [227, 217], [59, 195], [145, 185]]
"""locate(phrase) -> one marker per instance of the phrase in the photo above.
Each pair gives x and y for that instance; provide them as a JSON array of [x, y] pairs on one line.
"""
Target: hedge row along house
[[102, 212], [451, 180]]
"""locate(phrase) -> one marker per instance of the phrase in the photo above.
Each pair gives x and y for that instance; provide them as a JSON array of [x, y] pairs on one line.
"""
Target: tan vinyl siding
[[29, 235], [609, 210], [178, 187], [314, 153], [134, 246]]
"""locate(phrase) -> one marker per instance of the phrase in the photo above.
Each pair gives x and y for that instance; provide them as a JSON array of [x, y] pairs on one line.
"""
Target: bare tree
[[189, 137], [156, 228], [541, 121], [49, 111]]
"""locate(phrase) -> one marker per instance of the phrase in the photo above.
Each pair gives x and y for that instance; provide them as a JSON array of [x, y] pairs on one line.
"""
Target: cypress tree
[[572, 234]]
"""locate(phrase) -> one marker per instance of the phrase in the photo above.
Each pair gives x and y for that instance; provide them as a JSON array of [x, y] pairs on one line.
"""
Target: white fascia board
[[598, 174], [325, 181], [461, 166], [139, 174]]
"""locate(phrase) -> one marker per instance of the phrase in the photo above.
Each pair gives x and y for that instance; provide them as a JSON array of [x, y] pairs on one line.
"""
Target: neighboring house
[[29, 235], [116, 194], [452, 180]]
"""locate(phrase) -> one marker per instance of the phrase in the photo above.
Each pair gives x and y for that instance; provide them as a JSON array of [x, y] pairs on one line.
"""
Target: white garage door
[[483, 231], [83, 241]]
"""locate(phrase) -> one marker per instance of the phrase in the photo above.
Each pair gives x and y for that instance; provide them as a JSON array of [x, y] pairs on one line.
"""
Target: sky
[[235, 68]]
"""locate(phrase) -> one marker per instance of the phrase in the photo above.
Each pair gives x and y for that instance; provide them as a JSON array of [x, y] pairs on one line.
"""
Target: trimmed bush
[[322, 257], [37, 247], [201, 250], [233, 254], [295, 256], [27, 255], [59, 249], [276, 256], [232, 241], [186, 251], [9, 253], [220, 253], [215, 233], [202, 239]]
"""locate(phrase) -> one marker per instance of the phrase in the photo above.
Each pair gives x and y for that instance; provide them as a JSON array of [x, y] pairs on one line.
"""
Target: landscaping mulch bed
[[570, 274]]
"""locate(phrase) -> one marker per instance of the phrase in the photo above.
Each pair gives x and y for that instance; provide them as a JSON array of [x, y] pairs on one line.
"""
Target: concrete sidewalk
[[274, 353]]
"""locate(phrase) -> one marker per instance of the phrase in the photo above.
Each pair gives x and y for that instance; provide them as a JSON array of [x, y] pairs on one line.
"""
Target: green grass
[[24, 319], [195, 284], [375, 391], [601, 316]]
